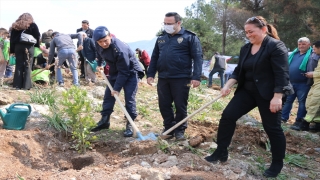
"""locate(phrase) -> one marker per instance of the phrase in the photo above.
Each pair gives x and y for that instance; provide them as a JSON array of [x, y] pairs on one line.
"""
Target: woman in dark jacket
[[262, 75], [23, 51]]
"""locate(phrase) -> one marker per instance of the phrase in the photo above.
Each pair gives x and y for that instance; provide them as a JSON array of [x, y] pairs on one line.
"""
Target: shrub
[[79, 111]]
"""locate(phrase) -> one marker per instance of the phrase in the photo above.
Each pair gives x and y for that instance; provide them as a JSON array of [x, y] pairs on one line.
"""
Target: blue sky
[[129, 20]]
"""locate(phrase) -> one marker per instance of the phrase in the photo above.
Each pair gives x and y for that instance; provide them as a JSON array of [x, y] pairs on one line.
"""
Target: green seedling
[[218, 106], [56, 120], [43, 96], [297, 160], [78, 109]]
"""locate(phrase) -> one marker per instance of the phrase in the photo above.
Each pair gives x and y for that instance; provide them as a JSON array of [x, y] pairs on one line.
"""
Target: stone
[[5, 99], [151, 174], [245, 152], [102, 83], [303, 175], [317, 149], [135, 177], [172, 161], [247, 118], [145, 164], [38, 110], [249, 124], [98, 92]]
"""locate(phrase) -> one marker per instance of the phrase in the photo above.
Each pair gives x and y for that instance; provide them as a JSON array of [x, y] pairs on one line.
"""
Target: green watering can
[[16, 117]]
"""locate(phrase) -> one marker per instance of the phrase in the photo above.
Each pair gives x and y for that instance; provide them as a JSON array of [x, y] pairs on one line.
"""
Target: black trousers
[[81, 59], [242, 102], [173, 91], [22, 74]]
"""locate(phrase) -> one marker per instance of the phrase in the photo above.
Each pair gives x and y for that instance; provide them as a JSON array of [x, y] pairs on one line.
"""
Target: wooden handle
[[191, 115], [120, 103], [33, 75]]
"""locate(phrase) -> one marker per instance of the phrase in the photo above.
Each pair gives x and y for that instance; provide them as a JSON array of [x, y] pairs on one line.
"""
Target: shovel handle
[[120, 104], [40, 71], [191, 115]]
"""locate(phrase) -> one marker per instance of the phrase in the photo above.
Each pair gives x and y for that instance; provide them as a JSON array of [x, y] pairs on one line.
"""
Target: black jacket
[[89, 49], [178, 56], [89, 32], [15, 36], [270, 70]]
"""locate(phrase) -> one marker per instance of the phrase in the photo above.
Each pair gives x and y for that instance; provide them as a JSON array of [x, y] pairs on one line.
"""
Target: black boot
[[274, 169], [304, 126], [218, 155], [315, 128], [104, 123], [296, 125], [128, 132], [179, 135]]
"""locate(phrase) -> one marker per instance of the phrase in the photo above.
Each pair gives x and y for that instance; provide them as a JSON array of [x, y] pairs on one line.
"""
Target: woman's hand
[[227, 87], [276, 102], [225, 91]]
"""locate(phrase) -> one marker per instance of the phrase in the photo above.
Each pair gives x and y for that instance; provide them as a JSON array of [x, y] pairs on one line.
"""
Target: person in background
[[66, 51], [124, 71], [46, 38], [4, 57], [262, 75], [217, 64], [177, 57], [228, 72], [144, 58], [23, 51], [313, 98], [89, 54], [298, 61], [84, 28]]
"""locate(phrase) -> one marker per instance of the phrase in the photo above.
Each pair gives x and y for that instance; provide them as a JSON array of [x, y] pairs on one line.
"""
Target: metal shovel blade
[[165, 136]]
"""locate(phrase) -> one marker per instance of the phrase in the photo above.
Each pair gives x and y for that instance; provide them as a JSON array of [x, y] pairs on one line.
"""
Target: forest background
[[220, 23]]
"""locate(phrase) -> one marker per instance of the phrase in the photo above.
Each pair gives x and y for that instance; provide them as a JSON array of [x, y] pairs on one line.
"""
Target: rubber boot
[[128, 132], [218, 155], [104, 123]]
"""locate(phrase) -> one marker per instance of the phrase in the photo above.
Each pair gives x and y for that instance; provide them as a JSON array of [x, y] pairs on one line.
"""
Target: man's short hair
[[54, 33], [304, 39], [317, 44], [85, 21], [177, 17]]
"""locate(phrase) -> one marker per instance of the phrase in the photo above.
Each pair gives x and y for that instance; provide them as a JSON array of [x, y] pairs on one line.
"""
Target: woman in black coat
[[23, 51], [262, 75]]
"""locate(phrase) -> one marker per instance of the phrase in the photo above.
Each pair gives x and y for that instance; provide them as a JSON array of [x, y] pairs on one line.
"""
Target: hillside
[[147, 45], [42, 152]]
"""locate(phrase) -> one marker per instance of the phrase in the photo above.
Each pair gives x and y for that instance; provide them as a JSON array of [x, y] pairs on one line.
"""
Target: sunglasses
[[252, 19]]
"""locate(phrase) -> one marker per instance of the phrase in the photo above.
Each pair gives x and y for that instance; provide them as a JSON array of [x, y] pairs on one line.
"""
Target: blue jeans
[[70, 55], [221, 74], [301, 93]]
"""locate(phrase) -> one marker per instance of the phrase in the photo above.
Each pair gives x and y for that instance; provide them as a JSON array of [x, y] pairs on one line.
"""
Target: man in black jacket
[[85, 28], [177, 57]]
